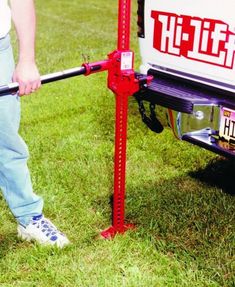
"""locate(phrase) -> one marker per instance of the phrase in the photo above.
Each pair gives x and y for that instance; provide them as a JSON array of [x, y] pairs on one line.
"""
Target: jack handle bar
[[86, 69]]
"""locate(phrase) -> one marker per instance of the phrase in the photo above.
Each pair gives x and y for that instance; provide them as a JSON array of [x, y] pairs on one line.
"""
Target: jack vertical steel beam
[[120, 163], [124, 22], [121, 80]]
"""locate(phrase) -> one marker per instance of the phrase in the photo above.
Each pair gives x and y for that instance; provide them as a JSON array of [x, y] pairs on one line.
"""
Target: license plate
[[227, 124]]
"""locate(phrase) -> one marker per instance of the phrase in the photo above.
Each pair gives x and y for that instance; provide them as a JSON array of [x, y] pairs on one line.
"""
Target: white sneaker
[[43, 231]]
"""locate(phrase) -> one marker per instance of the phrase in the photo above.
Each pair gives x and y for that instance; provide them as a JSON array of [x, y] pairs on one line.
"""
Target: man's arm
[[26, 72]]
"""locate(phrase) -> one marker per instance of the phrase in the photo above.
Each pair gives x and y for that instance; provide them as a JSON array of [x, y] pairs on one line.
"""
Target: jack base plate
[[110, 232]]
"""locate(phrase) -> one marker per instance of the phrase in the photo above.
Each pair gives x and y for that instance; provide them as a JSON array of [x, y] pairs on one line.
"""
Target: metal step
[[181, 95]]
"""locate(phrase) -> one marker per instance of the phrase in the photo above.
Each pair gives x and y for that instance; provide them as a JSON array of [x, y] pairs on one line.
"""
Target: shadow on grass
[[219, 173], [189, 222]]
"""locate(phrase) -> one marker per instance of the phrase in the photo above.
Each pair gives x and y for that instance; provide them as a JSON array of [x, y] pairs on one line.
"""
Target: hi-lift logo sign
[[205, 40]]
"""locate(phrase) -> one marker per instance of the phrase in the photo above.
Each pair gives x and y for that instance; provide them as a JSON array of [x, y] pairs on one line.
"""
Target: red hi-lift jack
[[123, 81]]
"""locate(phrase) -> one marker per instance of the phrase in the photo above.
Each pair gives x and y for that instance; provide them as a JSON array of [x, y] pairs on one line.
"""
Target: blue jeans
[[15, 181]]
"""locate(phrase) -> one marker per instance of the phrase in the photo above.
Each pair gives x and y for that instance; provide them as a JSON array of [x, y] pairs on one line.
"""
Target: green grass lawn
[[180, 197]]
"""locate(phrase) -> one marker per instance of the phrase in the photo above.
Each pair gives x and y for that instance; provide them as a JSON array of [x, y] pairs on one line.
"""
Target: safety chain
[[152, 122]]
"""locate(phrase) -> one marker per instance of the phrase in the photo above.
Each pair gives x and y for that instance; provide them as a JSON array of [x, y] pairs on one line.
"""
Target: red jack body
[[121, 80]]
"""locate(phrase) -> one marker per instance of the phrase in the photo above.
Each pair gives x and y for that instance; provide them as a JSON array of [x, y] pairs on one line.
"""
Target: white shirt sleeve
[[5, 18]]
